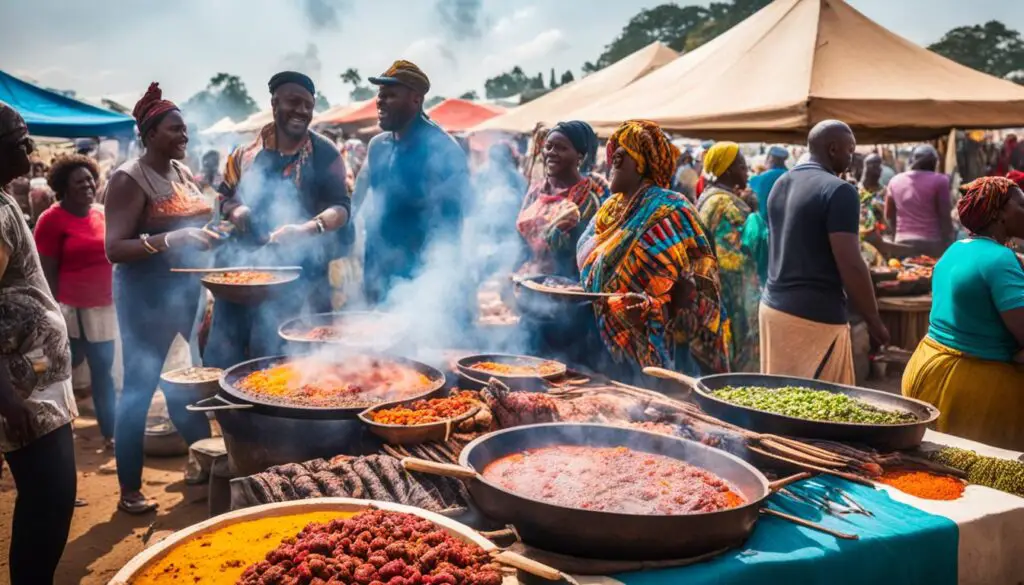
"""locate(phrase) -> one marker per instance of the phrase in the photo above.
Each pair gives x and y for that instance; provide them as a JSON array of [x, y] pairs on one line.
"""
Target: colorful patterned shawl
[[652, 243]]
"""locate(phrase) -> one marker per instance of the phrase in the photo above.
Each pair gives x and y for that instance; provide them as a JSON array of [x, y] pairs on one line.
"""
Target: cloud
[[430, 50], [545, 44], [461, 19], [325, 14], [507, 23], [307, 62]]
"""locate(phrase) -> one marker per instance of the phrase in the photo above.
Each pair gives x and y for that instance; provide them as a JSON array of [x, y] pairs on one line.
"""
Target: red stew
[[612, 479]]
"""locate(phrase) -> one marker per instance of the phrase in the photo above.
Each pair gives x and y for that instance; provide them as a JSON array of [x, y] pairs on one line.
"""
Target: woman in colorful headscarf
[[155, 212], [555, 212], [725, 215], [970, 364], [648, 240]]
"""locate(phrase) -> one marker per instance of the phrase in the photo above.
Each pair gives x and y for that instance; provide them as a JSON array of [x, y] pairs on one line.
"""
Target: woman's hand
[[291, 233], [190, 238], [16, 415]]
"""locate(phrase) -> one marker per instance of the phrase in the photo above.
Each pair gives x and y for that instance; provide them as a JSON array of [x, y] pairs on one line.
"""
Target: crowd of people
[[706, 266]]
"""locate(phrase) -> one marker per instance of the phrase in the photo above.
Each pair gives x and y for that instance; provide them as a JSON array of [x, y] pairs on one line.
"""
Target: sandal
[[136, 505]]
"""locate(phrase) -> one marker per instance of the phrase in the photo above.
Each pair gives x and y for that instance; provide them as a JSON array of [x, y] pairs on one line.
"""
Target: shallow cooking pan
[[883, 437], [609, 535]]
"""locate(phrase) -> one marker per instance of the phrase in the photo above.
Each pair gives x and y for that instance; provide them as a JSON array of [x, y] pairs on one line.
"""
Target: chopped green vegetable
[[811, 404], [1001, 474]]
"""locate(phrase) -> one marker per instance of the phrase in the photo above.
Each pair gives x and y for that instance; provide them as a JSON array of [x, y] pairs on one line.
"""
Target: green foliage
[[225, 95], [433, 101], [567, 78], [322, 104], [508, 84], [359, 91], [991, 47], [470, 95]]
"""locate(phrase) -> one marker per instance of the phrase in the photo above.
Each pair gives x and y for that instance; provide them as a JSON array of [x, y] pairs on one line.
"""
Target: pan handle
[[435, 468], [670, 375], [781, 483], [201, 406], [518, 561], [808, 524]]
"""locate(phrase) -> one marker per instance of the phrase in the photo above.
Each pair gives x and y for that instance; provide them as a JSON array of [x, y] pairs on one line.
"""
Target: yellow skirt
[[981, 400]]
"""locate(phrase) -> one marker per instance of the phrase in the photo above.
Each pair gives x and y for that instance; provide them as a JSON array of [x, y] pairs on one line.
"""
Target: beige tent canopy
[[560, 103], [797, 62]]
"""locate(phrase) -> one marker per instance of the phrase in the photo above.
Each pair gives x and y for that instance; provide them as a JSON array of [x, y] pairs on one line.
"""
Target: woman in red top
[[70, 239]]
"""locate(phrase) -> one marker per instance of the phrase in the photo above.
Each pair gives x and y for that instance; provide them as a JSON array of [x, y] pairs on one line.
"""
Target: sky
[[114, 48]]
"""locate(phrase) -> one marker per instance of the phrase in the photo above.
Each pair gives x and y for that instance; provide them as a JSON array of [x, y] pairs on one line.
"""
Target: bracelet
[[167, 241], [320, 227], [150, 249]]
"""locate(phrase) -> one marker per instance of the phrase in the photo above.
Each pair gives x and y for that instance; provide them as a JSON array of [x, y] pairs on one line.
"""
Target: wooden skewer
[[781, 483], [239, 269], [794, 453], [808, 524], [810, 467]]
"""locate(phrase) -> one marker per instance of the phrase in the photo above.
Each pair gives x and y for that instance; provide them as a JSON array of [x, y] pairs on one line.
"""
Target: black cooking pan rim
[[288, 276], [464, 462], [466, 362], [934, 413], [437, 379]]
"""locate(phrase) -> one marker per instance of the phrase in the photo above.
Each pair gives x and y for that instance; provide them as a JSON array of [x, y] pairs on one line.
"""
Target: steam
[[307, 62], [461, 19], [325, 14]]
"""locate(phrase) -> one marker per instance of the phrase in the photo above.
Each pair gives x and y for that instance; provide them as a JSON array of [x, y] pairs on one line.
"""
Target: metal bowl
[[251, 294]]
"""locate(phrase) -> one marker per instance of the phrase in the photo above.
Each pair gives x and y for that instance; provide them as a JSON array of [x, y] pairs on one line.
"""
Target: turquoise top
[[974, 281]]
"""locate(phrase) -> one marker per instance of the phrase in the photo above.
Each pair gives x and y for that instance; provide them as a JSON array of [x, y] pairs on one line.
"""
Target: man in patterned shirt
[[36, 400]]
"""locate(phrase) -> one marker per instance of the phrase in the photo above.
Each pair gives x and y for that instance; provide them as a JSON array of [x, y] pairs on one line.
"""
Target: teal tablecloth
[[900, 544]]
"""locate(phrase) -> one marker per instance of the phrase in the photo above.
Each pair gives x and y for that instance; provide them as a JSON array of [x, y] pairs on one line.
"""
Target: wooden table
[[906, 318]]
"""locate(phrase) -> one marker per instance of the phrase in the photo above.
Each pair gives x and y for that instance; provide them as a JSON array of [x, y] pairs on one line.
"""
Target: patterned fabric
[[725, 217], [151, 108], [34, 347], [647, 144], [982, 201], [551, 223], [872, 211], [651, 242], [243, 158]]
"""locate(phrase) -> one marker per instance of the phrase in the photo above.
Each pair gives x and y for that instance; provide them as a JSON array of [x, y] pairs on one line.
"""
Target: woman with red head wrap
[[970, 364], [155, 212]]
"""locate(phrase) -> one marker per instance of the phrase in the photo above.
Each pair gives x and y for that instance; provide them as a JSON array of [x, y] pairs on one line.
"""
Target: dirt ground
[[102, 539]]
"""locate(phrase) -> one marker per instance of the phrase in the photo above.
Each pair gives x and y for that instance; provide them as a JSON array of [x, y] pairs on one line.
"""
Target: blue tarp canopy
[[51, 114]]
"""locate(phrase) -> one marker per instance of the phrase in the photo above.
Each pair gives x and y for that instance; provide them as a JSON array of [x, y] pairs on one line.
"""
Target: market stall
[[832, 507], [49, 113]]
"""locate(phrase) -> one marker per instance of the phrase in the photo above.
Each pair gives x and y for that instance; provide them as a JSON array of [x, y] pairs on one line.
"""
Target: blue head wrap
[[583, 139]]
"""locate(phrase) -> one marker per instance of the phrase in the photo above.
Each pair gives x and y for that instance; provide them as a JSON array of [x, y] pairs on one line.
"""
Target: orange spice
[[925, 485], [221, 556], [242, 277], [541, 369]]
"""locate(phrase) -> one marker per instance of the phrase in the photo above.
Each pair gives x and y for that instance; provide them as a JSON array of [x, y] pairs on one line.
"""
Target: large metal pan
[[606, 535], [360, 330], [251, 294], [883, 437], [230, 378]]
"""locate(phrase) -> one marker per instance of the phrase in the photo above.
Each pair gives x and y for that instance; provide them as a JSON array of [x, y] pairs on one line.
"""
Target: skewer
[[239, 269], [810, 467], [808, 524]]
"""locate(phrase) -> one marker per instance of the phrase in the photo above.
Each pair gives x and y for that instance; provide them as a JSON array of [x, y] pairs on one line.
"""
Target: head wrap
[[778, 151], [719, 158], [649, 147], [10, 122], [982, 200], [295, 77], [583, 139], [1017, 177], [404, 73], [151, 108]]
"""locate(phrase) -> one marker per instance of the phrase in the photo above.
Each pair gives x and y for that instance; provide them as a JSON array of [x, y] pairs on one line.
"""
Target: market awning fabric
[[561, 103], [359, 113], [49, 113], [797, 62], [458, 115]]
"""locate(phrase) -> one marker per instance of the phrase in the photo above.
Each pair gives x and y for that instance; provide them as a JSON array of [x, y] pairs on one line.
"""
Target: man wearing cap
[[285, 194], [416, 180]]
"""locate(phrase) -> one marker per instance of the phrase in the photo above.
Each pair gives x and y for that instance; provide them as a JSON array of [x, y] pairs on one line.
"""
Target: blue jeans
[[153, 306], [100, 355], [240, 333]]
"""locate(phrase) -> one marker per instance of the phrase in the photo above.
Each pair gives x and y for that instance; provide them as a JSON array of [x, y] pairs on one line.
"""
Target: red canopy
[[456, 115]]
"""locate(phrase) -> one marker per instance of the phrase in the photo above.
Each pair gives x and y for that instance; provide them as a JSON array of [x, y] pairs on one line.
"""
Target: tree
[[721, 17], [991, 47], [508, 84], [470, 95], [553, 83], [359, 91], [433, 101], [537, 82], [225, 95], [567, 78], [322, 104]]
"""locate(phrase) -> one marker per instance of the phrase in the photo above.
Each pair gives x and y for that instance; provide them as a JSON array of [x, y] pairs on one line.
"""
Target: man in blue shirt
[[415, 183]]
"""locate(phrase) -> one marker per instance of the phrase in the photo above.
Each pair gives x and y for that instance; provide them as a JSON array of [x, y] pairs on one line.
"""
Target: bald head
[[872, 170], [831, 144], [924, 158]]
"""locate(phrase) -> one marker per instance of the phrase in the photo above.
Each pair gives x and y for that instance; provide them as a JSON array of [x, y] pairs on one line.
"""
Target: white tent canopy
[[559, 104], [222, 126]]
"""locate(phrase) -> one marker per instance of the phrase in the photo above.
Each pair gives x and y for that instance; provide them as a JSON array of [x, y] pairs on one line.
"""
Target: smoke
[[307, 62], [325, 14], [461, 19]]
